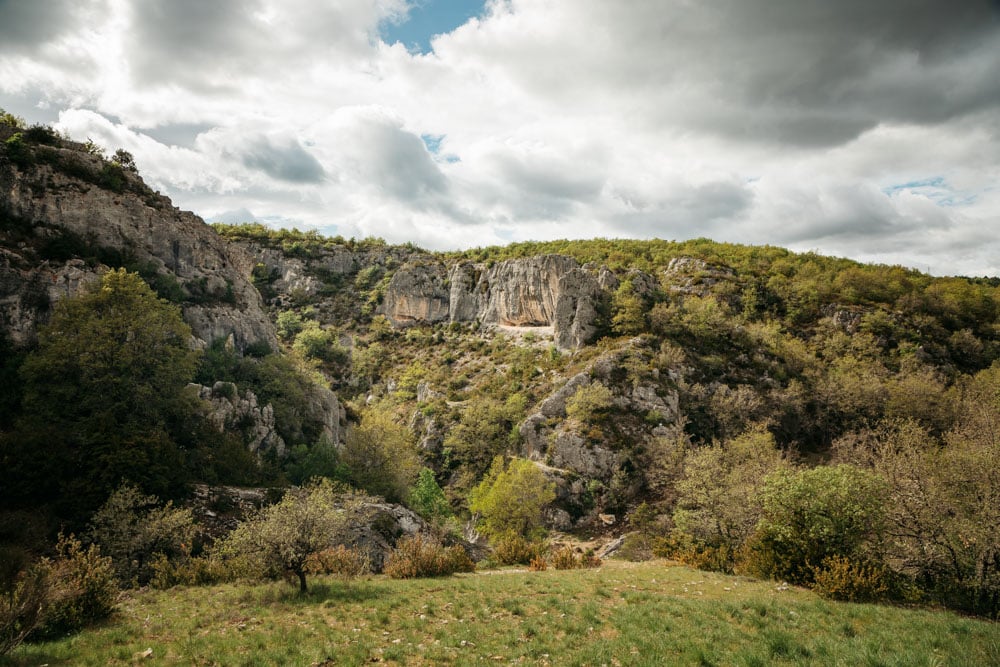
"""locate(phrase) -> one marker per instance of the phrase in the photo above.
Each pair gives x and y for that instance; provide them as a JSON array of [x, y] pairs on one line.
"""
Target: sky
[[857, 128]]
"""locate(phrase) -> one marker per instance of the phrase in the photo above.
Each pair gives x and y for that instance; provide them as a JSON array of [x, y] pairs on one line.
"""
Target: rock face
[[27, 292], [138, 226], [232, 411], [544, 291], [421, 294], [576, 456]]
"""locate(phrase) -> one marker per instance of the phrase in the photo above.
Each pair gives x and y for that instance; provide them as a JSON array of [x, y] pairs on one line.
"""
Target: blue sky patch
[[432, 141], [936, 189], [428, 18]]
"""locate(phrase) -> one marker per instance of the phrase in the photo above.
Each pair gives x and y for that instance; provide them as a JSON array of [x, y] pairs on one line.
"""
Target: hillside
[[702, 396]]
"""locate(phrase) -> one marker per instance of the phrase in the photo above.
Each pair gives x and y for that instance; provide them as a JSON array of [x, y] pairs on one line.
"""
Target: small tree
[[133, 530], [718, 497], [511, 497], [381, 455], [427, 499], [288, 535], [588, 402], [814, 515]]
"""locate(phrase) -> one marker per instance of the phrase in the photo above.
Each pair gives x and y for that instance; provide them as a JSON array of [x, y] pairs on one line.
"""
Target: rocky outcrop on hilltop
[[51, 213], [544, 291]]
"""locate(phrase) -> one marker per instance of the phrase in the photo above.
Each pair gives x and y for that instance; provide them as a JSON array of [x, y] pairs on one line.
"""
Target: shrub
[[511, 498], [286, 536], [566, 558], [420, 556], [812, 515], [18, 151], [636, 547], [695, 553], [21, 606], [514, 549], [538, 564], [589, 402], [200, 571], [381, 454], [83, 588], [840, 578], [133, 531], [340, 561], [427, 499]]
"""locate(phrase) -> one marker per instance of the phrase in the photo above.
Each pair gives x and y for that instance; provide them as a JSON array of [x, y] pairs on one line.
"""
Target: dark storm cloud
[[807, 72], [28, 25], [288, 162], [189, 41]]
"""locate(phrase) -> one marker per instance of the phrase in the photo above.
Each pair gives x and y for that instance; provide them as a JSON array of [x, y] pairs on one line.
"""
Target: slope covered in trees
[[742, 408]]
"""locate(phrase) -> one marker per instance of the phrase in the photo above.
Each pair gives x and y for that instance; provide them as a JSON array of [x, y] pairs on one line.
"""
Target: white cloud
[[791, 122]]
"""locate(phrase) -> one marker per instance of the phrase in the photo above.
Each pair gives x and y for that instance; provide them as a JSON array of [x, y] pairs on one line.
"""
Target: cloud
[[287, 162], [866, 129], [27, 27]]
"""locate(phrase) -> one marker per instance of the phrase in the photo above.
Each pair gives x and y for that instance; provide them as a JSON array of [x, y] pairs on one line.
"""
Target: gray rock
[[231, 411], [149, 229], [417, 294]]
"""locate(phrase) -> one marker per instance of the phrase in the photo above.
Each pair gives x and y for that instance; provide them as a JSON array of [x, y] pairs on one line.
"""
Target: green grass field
[[620, 614]]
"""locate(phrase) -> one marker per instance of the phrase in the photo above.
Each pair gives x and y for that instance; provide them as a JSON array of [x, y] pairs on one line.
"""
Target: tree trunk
[[302, 580]]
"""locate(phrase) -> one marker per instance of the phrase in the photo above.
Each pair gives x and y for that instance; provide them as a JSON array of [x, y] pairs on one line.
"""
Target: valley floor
[[620, 614]]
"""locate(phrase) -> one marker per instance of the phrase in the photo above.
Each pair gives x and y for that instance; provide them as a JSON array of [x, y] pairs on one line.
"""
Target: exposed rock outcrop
[[544, 291], [143, 228], [418, 293], [575, 455], [232, 411]]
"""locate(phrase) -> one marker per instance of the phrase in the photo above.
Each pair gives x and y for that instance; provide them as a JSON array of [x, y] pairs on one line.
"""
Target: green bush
[[812, 515], [566, 558], [22, 605], [696, 553], [512, 548], [83, 588], [840, 578], [18, 150], [420, 556], [427, 498], [511, 498], [133, 530], [340, 561], [187, 571]]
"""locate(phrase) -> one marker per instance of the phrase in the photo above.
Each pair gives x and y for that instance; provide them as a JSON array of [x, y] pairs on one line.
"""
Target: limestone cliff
[[52, 218], [544, 291]]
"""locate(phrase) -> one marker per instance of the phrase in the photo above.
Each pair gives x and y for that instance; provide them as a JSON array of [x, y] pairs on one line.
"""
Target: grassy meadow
[[620, 614]]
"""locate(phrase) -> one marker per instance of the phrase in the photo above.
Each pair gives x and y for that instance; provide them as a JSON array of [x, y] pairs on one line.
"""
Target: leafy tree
[[629, 310], [381, 455], [288, 323], [426, 497], [314, 342], [319, 460], [99, 393], [812, 515], [511, 497], [718, 498], [286, 535], [486, 428], [133, 529], [125, 160]]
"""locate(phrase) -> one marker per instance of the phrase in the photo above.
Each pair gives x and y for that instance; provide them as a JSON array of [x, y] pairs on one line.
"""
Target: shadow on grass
[[318, 593], [13, 659]]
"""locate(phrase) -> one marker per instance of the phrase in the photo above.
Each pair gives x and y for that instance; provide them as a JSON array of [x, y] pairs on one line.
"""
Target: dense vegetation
[[816, 421], [792, 371]]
